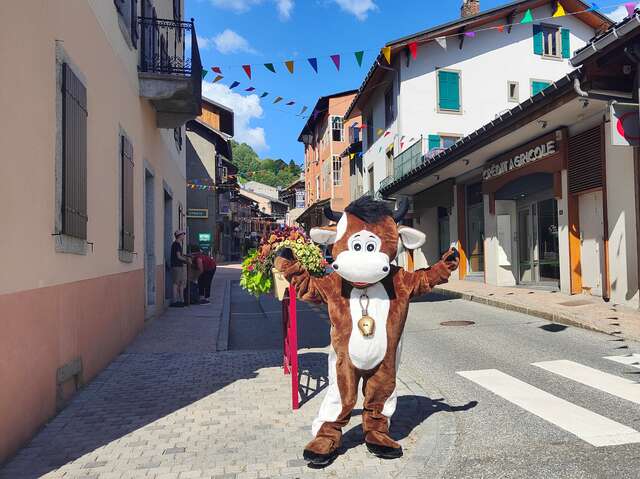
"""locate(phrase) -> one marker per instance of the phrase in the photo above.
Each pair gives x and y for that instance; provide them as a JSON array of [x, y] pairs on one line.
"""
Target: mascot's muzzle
[[362, 268]]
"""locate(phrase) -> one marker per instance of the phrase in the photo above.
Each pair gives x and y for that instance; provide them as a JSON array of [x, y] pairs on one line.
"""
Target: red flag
[[216, 70], [387, 133], [413, 48], [363, 126], [247, 70], [336, 61]]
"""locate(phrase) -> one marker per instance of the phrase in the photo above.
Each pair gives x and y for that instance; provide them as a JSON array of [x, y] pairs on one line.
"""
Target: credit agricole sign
[[519, 158]]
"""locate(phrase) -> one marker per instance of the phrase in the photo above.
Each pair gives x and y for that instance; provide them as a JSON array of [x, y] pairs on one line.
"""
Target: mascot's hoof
[[384, 452], [319, 460]]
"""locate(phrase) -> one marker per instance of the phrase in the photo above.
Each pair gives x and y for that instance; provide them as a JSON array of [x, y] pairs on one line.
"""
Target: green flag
[[270, 67], [359, 56], [527, 18], [204, 73]]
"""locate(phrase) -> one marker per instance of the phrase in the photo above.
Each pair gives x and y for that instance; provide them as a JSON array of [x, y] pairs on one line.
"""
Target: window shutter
[[538, 86], [585, 160], [449, 90], [126, 230], [566, 43], [74, 155], [434, 142], [538, 47]]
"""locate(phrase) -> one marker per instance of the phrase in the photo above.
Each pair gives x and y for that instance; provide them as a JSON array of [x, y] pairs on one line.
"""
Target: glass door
[[548, 256], [476, 238], [525, 246]]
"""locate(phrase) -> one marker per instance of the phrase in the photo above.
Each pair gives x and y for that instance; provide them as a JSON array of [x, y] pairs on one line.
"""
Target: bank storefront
[[523, 192]]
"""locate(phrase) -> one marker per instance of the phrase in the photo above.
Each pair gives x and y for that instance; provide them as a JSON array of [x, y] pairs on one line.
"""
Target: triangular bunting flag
[[631, 7], [500, 28], [528, 17], [234, 84], [359, 56], [336, 61], [290, 103], [470, 34], [216, 70], [413, 49], [594, 7], [412, 138], [442, 41], [278, 98], [304, 108], [401, 145], [204, 73], [380, 149], [386, 52], [264, 94], [247, 70], [289, 65], [249, 89], [217, 78], [387, 133], [351, 156], [314, 64], [559, 11], [379, 131], [315, 114], [363, 126], [270, 67]]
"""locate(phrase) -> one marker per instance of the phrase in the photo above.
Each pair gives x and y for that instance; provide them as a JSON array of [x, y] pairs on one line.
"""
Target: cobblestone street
[[171, 406]]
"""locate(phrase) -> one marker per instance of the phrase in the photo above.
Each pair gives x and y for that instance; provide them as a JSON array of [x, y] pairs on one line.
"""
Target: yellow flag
[[386, 51], [559, 11], [379, 131]]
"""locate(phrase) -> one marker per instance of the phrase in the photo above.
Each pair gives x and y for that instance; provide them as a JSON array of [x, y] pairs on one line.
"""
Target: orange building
[[326, 170]]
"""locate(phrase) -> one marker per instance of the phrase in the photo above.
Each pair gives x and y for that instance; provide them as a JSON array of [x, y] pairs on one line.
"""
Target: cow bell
[[367, 325]]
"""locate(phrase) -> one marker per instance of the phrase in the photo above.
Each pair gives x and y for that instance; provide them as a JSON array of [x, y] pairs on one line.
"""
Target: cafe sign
[[546, 147]]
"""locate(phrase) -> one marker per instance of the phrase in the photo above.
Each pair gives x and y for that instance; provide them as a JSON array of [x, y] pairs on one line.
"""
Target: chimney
[[469, 8]]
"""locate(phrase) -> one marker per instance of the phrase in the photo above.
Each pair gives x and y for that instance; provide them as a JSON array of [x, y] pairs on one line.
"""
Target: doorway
[[591, 241], [149, 239], [475, 230], [538, 246], [168, 234]]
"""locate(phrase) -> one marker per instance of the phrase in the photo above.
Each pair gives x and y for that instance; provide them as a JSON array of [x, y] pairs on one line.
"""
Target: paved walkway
[[578, 310], [174, 406]]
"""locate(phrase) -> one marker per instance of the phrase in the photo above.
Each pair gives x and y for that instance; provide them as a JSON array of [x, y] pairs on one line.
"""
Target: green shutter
[[566, 43], [449, 90], [538, 86], [538, 47], [434, 142]]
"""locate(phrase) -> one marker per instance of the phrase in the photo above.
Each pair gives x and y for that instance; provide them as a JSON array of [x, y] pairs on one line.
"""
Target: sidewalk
[[578, 310], [173, 406]]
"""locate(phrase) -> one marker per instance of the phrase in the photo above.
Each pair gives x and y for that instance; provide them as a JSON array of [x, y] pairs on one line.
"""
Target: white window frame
[[337, 170], [546, 30], [337, 124], [516, 97]]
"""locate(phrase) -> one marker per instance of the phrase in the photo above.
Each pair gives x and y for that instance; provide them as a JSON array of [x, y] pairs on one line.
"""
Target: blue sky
[[232, 33]]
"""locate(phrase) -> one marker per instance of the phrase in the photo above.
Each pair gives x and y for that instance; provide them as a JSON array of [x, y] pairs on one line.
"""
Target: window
[[370, 174], [128, 16], [74, 155], [513, 93], [389, 115], [448, 91], [299, 198], [551, 41], [326, 175], [337, 171], [369, 123], [126, 195], [447, 141], [317, 187], [177, 137], [337, 131], [538, 85]]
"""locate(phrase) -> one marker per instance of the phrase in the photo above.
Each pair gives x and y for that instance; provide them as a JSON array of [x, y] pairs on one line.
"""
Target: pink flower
[[250, 267]]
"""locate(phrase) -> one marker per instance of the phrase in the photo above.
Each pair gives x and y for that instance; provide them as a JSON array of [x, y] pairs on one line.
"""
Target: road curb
[[222, 344], [496, 303]]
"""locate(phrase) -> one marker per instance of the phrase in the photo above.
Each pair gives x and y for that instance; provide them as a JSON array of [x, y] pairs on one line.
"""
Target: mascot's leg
[[334, 412], [380, 400]]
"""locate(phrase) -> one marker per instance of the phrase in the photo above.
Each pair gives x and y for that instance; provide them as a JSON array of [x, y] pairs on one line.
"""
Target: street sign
[[197, 213], [625, 124]]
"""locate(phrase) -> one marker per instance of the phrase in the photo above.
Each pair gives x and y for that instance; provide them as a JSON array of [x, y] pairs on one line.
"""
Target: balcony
[[170, 70]]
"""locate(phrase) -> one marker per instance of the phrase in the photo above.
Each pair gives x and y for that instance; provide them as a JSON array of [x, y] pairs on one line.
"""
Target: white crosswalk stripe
[[632, 360], [609, 383], [593, 428]]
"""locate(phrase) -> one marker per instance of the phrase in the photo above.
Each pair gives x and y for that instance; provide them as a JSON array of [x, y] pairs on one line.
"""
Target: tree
[[273, 172]]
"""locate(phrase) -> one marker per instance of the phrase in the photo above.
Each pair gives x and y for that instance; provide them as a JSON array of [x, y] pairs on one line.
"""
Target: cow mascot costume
[[368, 299]]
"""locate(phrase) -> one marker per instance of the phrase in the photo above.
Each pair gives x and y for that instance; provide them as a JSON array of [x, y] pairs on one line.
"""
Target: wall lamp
[[465, 162], [542, 123], [437, 177], [584, 101]]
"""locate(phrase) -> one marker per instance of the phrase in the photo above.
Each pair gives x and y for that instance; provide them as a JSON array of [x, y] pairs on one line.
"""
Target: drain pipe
[[603, 95]]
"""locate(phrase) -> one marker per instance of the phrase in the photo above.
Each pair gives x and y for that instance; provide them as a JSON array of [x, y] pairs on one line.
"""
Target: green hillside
[[268, 171]]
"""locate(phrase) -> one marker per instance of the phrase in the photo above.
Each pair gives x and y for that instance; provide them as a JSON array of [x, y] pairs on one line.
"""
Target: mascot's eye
[[371, 247], [357, 246]]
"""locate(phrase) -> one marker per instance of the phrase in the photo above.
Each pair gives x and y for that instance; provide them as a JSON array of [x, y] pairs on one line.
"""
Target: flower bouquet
[[258, 274]]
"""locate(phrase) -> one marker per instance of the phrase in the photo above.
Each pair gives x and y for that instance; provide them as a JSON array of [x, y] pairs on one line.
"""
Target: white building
[[463, 74]]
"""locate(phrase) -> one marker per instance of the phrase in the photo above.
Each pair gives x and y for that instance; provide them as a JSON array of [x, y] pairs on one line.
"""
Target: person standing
[[207, 267], [178, 270]]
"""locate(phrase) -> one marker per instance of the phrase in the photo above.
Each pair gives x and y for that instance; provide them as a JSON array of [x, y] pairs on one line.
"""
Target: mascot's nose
[[385, 268], [334, 265]]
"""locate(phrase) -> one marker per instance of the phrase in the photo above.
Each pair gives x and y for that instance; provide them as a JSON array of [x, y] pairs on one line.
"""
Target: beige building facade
[[93, 177]]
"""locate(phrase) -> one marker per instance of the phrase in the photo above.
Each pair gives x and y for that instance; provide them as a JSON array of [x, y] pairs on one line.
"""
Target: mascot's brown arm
[[308, 287], [422, 281]]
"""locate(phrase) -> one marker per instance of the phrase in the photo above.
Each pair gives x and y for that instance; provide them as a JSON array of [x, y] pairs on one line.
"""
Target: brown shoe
[[320, 452]]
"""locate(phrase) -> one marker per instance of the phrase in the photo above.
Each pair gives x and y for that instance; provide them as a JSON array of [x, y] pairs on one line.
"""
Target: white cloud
[[245, 109], [231, 42], [359, 8], [619, 13], [204, 42], [284, 7]]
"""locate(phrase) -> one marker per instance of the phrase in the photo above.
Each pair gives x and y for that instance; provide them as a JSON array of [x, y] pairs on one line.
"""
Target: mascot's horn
[[403, 207], [332, 215]]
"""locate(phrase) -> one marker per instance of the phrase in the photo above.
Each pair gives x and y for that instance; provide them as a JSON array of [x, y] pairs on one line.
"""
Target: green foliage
[[252, 279], [268, 171]]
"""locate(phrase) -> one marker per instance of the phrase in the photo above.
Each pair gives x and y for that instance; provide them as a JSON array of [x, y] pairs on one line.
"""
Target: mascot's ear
[[325, 235], [411, 238]]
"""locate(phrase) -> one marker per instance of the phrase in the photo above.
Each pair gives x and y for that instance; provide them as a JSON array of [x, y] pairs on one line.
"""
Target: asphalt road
[[574, 414]]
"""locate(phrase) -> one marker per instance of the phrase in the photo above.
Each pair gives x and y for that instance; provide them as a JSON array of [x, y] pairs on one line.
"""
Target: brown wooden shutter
[[586, 160], [126, 230], [74, 155]]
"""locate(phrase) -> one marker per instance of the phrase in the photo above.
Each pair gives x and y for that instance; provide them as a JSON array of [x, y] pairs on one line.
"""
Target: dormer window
[[551, 41]]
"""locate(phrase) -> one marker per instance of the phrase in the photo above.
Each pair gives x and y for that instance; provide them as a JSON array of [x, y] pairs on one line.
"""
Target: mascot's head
[[365, 239]]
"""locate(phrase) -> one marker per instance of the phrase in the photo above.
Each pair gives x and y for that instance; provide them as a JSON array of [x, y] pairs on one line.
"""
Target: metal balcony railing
[[409, 159], [386, 182], [169, 47]]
